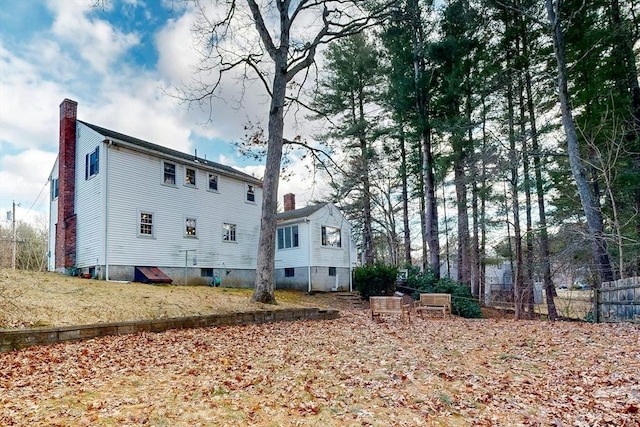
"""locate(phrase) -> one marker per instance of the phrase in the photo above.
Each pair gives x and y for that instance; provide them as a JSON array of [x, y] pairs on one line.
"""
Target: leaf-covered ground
[[346, 372]]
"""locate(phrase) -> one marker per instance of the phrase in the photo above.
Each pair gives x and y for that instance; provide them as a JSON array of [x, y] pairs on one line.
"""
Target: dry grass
[[30, 299]]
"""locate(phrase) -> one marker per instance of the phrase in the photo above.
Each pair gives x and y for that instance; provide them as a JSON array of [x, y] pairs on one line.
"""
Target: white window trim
[[153, 224], [175, 174], [331, 246], [246, 193], [55, 189], [285, 248], [184, 227], [235, 232], [195, 177], [217, 190], [88, 173]]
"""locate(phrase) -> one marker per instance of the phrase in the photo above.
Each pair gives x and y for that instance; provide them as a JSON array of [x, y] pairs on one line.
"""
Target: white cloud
[[96, 40], [29, 104], [29, 189], [136, 106]]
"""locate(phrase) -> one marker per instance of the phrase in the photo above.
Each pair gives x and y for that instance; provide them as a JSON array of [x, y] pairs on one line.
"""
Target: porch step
[[352, 297]]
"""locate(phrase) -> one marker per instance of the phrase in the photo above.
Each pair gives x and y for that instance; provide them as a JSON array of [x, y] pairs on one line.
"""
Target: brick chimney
[[289, 202], [66, 227]]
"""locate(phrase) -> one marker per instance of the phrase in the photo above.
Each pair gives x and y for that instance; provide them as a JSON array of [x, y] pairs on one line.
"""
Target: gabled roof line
[[300, 213], [169, 152]]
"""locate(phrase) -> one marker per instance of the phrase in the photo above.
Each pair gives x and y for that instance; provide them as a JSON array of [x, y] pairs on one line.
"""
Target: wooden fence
[[619, 301]]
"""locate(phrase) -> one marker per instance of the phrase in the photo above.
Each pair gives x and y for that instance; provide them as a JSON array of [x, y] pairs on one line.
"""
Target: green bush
[[377, 279], [462, 302]]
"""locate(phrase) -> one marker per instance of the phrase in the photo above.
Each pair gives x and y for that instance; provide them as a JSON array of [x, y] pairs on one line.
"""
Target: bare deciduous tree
[[274, 41]]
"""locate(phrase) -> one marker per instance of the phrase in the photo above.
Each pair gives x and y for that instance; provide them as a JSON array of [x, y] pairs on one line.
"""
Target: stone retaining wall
[[14, 339]]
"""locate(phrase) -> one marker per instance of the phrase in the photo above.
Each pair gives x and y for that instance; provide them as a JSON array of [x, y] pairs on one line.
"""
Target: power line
[[36, 200]]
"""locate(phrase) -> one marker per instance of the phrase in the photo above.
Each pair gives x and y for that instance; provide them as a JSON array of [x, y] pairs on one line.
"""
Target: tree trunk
[[518, 290], [405, 197], [430, 231], [464, 273], [529, 276], [265, 265], [545, 257], [366, 187], [589, 206], [431, 209]]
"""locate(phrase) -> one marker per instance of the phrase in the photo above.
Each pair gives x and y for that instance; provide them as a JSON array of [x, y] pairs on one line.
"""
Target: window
[[54, 188], [229, 232], [189, 176], [288, 237], [146, 224], [251, 193], [331, 237], [332, 271], [190, 227], [213, 182], [206, 272], [169, 173], [289, 272], [92, 163]]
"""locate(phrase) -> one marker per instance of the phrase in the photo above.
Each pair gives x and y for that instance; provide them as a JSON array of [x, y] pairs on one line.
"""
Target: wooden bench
[[389, 305], [440, 302]]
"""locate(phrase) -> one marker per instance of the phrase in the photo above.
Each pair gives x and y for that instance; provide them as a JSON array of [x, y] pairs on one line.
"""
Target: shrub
[[462, 302], [377, 279]]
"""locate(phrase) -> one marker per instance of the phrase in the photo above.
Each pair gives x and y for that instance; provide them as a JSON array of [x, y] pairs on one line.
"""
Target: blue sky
[[119, 62]]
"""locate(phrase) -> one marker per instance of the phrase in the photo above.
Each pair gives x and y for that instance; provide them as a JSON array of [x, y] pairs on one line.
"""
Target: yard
[[348, 371]]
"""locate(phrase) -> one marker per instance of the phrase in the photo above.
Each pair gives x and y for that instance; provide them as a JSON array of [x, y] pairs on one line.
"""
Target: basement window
[[289, 272], [332, 271]]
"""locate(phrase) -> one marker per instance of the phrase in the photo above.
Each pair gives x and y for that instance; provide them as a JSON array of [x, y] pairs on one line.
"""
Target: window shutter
[[86, 166], [97, 159]]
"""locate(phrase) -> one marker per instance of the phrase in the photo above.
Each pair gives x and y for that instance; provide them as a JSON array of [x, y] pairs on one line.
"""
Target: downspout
[[106, 210], [310, 257]]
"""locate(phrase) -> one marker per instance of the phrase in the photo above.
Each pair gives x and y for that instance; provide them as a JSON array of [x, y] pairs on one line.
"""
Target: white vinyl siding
[[330, 256], [89, 198], [299, 256], [53, 219], [171, 206]]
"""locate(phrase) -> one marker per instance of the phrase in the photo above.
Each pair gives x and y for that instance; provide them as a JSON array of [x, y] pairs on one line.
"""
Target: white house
[[118, 203], [314, 251]]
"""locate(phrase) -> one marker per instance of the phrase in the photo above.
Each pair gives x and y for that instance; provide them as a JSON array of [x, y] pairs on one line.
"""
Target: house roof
[[107, 133], [299, 213]]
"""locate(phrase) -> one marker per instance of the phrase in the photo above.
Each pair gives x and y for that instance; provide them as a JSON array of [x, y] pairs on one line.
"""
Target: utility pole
[[14, 239]]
